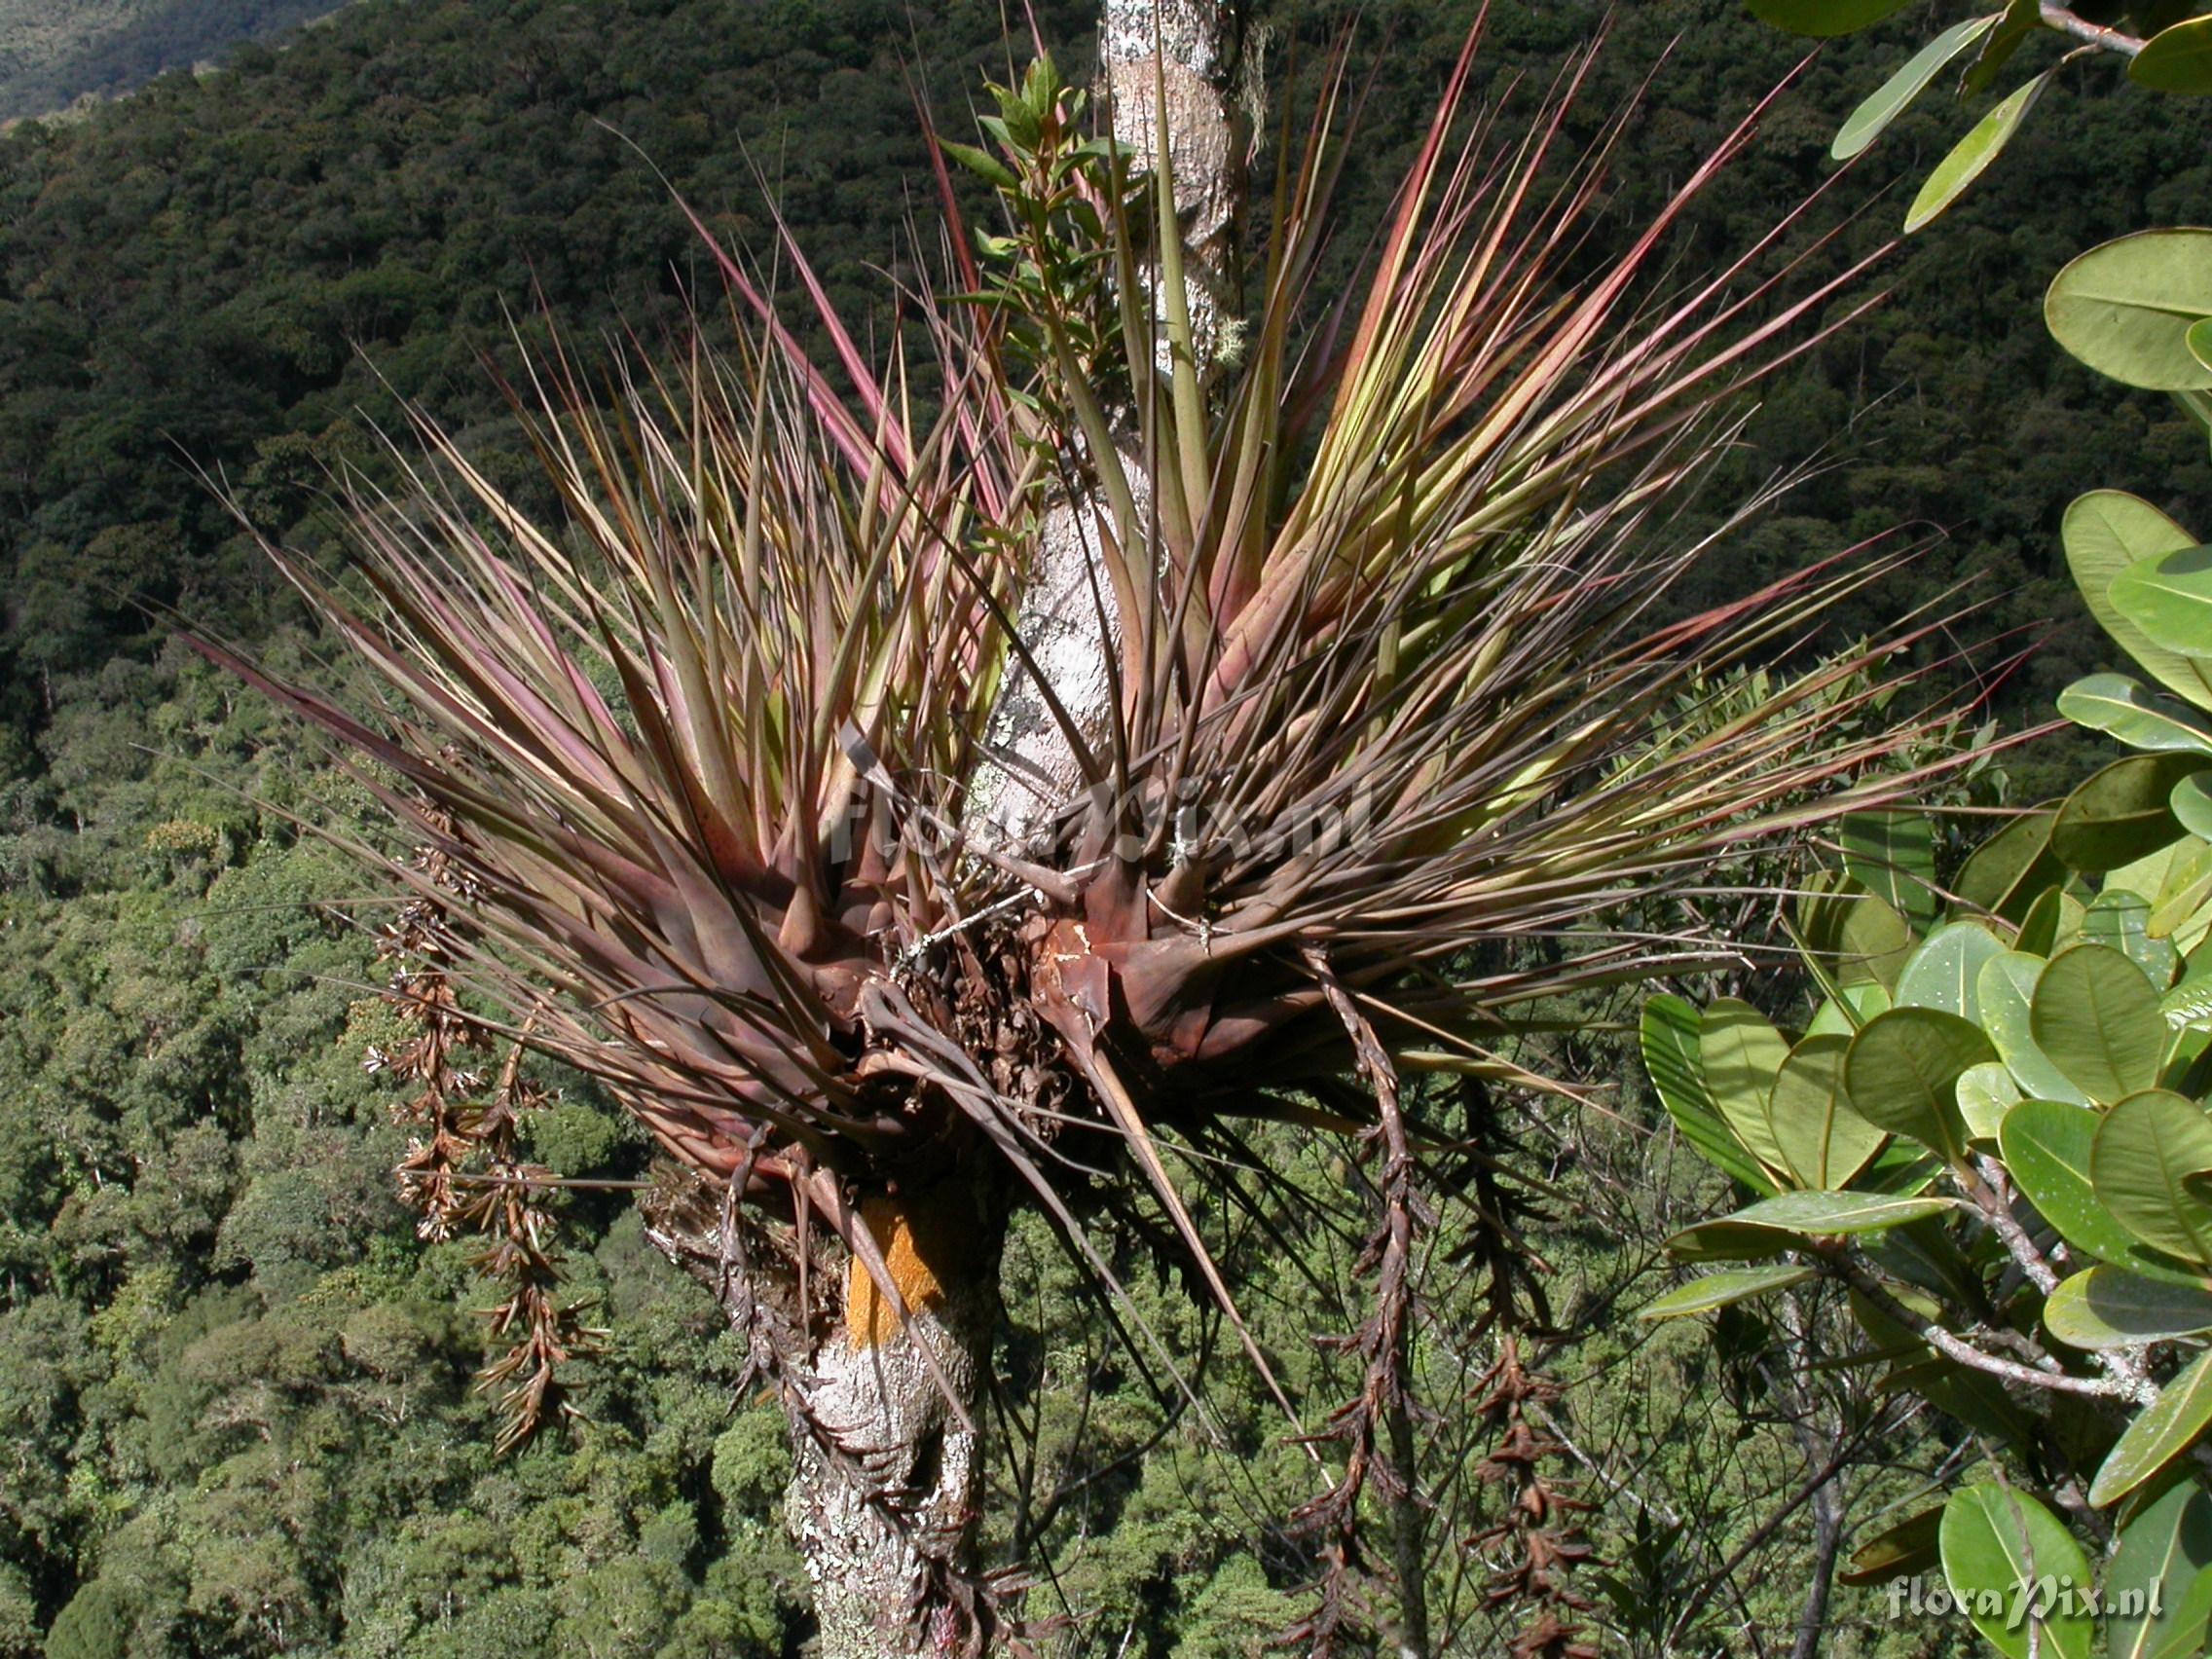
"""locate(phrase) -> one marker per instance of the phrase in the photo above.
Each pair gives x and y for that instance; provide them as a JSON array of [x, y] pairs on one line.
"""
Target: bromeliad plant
[[1377, 609]]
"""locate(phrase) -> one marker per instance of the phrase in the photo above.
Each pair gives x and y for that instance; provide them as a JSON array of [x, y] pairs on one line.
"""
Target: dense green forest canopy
[[238, 1382]]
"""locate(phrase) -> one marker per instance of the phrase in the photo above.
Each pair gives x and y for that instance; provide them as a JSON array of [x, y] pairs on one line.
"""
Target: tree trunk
[[1180, 55], [1828, 1546], [885, 1450], [883, 1413], [885, 1459]]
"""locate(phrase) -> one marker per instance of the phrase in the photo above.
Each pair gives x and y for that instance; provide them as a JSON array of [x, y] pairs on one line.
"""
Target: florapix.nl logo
[[2052, 1596]]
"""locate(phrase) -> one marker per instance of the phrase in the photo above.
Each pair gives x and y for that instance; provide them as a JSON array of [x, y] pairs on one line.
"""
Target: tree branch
[[1955, 1348], [1991, 1196], [2066, 22]]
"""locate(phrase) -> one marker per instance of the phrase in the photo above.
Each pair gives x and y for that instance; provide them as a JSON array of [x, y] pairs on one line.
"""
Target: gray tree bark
[[1828, 1546], [1180, 56], [882, 1411], [884, 1480]]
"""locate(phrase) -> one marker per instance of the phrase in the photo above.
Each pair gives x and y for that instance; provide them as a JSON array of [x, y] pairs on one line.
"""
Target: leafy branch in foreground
[[1379, 610], [2036, 1036], [2164, 45]]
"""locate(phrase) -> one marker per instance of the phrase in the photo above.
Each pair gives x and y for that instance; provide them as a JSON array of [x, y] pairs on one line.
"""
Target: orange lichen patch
[[922, 1243]]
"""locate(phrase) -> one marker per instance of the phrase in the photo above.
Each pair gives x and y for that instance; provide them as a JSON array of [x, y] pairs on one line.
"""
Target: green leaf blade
[[2047, 1146], [2104, 532], [1823, 1139], [1998, 1546], [1668, 1030], [2125, 307], [2169, 598], [1971, 155], [2111, 1308], [2147, 1152], [2176, 59], [1715, 1290], [2161, 1562], [2162, 1432], [2120, 708], [2097, 1016], [1822, 1215], [1902, 1072], [1895, 96]]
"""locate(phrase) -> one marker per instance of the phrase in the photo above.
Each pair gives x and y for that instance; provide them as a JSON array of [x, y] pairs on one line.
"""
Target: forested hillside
[[55, 52], [236, 1381]]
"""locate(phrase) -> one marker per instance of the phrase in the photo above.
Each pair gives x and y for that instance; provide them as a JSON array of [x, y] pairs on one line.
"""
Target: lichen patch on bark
[[922, 1247]]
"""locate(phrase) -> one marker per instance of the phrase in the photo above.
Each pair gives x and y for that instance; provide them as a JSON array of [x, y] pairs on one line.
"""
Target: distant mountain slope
[[54, 51]]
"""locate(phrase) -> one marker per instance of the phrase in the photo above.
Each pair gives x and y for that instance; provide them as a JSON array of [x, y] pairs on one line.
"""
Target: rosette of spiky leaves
[[659, 739], [1384, 606], [1383, 633], [1384, 609]]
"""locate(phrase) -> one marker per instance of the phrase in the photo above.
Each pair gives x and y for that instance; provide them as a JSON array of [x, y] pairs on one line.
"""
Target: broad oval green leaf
[[2008, 991], [2161, 1562], [1855, 936], [1709, 1291], [1729, 1240], [2109, 1308], [2009, 871], [2199, 339], [2148, 1164], [2176, 59], [1821, 1215], [2169, 596], [1893, 855], [1986, 1093], [2192, 804], [1741, 1053], [1851, 1008], [1999, 1544], [2119, 920], [2162, 1432], [1669, 1029], [1970, 156], [1894, 95], [1822, 1140], [2051, 923], [2157, 878], [2104, 532], [2097, 1018], [1902, 1075], [2124, 308], [2048, 1147], [1823, 18], [2121, 812], [1942, 973], [2115, 704], [2175, 882]]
